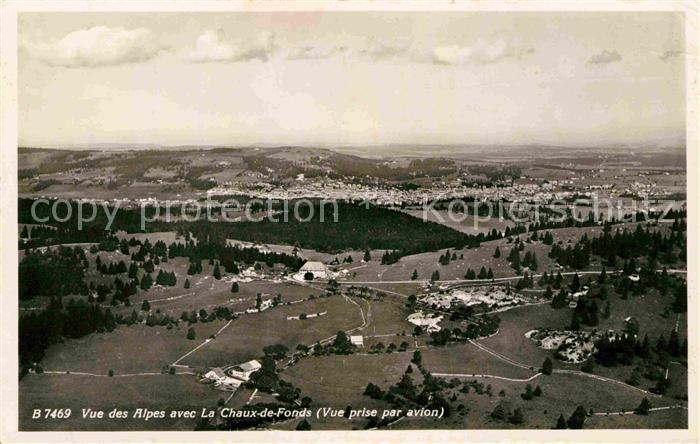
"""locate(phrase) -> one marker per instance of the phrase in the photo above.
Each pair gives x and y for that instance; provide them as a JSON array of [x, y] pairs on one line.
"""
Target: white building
[[357, 341], [318, 269], [243, 371], [428, 321], [222, 380], [233, 377]]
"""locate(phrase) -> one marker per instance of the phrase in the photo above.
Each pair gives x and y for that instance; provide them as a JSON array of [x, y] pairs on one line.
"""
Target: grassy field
[[339, 381], [388, 317], [647, 309], [678, 375], [162, 392], [468, 359], [245, 338], [511, 340], [561, 394], [206, 292], [128, 349], [664, 419]]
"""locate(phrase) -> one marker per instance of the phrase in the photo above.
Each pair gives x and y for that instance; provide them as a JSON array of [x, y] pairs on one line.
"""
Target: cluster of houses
[[574, 297], [429, 321], [230, 378]]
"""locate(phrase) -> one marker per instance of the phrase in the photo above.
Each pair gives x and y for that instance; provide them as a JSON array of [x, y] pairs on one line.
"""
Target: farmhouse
[[222, 380], [357, 341], [233, 377], [243, 371], [318, 269]]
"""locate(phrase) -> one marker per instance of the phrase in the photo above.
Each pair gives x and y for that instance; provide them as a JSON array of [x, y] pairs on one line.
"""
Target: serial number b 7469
[[51, 413]]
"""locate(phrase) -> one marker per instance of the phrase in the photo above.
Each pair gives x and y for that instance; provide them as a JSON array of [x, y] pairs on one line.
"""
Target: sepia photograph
[[377, 220]]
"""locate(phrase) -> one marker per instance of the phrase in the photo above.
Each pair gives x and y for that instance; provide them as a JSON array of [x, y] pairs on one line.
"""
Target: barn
[[319, 270], [243, 371]]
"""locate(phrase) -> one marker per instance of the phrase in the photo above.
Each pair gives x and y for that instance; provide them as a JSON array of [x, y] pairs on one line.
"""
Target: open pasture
[[245, 338], [128, 349]]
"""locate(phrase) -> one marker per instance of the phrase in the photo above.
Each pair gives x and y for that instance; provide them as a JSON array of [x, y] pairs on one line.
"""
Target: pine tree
[[497, 253], [367, 257], [561, 422], [234, 287], [575, 284], [517, 416], [515, 259], [548, 294], [603, 277], [145, 306], [558, 280], [546, 366], [498, 413], [146, 282], [577, 418], [417, 358], [634, 378], [643, 408], [559, 300], [187, 283], [217, 272], [414, 276], [191, 335]]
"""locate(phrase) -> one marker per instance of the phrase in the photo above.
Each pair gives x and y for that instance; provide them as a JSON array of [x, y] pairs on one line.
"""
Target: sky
[[351, 78]]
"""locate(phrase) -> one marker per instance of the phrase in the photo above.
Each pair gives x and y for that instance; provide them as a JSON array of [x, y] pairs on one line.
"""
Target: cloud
[[212, 47], [605, 57], [97, 46], [482, 52], [670, 54], [312, 52]]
